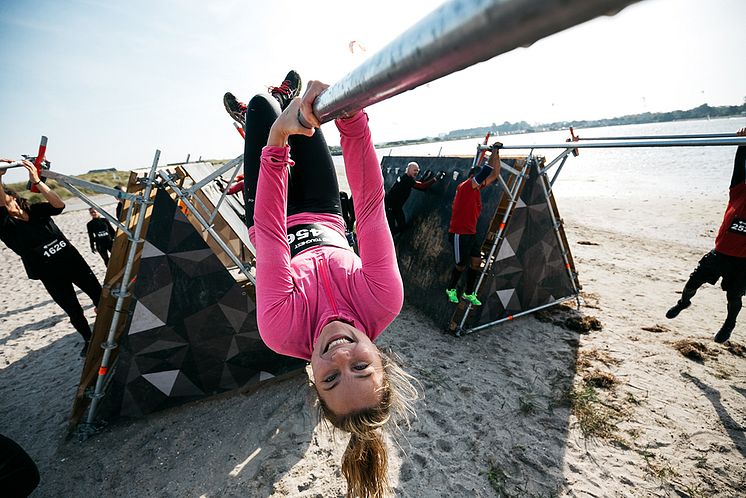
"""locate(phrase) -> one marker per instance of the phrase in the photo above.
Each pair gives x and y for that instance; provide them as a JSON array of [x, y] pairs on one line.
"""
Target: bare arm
[[47, 192]]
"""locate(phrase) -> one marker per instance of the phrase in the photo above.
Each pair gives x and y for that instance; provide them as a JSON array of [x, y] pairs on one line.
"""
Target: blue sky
[[109, 82]]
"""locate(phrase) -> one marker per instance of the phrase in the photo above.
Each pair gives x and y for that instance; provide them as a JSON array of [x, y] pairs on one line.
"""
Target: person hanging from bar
[[100, 235], [29, 231], [399, 192], [462, 231], [316, 299], [728, 259]]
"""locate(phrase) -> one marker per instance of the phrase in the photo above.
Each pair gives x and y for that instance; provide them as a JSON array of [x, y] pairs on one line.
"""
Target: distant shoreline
[[703, 111]]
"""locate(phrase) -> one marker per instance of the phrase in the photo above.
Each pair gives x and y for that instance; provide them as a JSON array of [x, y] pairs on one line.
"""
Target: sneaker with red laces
[[236, 109], [288, 89]]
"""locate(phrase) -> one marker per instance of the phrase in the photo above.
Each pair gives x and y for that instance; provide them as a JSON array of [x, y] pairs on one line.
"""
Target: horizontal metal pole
[[659, 137], [626, 144], [16, 164], [96, 187], [518, 315], [456, 35]]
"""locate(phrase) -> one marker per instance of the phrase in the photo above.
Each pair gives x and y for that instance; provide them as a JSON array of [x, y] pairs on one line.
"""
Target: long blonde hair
[[365, 461]]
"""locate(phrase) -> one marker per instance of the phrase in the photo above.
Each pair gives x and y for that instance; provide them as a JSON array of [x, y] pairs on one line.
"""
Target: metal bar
[[498, 237], [17, 164], [226, 167], [556, 225], [110, 344], [104, 213], [100, 189], [559, 168], [656, 137], [193, 211], [222, 196], [456, 35], [626, 144], [517, 315], [563, 155]]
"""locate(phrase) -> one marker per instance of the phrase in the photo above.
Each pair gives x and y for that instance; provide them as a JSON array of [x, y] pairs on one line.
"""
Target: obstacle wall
[[528, 269], [190, 326]]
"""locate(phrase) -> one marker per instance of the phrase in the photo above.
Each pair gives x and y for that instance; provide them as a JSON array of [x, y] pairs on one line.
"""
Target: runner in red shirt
[[728, 259], [462, 232]]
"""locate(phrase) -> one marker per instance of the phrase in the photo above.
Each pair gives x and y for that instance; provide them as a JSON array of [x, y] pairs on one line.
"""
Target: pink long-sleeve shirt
[[297, 298]]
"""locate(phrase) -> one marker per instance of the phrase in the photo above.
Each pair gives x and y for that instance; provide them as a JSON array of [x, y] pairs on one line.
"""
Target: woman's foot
[[235, 109], [288, 89]]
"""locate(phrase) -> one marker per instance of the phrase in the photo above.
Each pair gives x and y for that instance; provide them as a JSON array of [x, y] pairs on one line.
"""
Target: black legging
[[18, 473], [60, 287], [103, 250], [312, 186]]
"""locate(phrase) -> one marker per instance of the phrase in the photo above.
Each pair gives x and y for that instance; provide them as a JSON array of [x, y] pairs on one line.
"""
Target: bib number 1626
[[54, 248]]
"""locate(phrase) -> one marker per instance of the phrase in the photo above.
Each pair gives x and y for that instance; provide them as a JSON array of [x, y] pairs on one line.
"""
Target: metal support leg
[[110, 344]]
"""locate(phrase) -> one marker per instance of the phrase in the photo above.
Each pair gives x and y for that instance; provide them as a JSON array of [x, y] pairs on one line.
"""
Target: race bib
[[738, 226], [52, 249], [302, 237]]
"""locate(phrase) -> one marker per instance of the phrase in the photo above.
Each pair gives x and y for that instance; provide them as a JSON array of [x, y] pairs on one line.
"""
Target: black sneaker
[[236, 109], [84, 351], [676, 309], [288, 90], [725, 331]]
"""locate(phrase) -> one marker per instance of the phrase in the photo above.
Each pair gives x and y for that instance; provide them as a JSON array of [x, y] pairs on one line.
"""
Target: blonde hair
[[365, 461]]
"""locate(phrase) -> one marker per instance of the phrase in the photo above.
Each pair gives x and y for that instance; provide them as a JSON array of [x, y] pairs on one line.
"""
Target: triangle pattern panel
[[158, 302], [143, 319], [150, 251], [535, 273], [192, 331], [164, 381]]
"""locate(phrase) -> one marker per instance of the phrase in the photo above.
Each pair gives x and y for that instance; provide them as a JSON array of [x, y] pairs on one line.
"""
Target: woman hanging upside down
[[316, 299]]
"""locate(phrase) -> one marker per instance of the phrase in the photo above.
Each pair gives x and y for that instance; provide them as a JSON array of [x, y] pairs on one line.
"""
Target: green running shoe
[[472, 298], [452, 295]]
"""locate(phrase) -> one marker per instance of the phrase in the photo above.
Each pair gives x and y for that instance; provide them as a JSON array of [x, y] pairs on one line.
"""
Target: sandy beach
[[530, 408]]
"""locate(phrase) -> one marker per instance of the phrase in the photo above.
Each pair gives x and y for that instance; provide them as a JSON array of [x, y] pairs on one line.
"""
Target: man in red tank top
[[728, 259], [462, 232]]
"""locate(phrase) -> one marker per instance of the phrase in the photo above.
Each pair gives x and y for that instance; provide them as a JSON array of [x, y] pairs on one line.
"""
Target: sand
[[525, 409]]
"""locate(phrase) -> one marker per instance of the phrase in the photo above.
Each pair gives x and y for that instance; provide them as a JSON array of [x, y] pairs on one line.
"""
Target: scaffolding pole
[[623, 144], [660, 137], [456, 35], [513, 194], [110, 343]]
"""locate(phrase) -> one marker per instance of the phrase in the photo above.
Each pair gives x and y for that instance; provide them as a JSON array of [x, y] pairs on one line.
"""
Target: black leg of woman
[[313, 183], [313, 186], [261, 112], [62, 292], [86, 281]]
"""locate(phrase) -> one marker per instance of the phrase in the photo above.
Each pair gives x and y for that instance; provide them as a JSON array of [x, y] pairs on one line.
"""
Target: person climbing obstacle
[[728, 259], [399, 192], [47, 255], [316, 299], [462, 231]]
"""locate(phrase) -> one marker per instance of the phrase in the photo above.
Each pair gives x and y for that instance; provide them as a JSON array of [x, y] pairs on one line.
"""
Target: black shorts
[[464, 247], [715, 265]]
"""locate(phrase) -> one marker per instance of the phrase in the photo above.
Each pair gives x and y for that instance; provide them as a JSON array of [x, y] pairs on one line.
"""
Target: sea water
[[638, 184]]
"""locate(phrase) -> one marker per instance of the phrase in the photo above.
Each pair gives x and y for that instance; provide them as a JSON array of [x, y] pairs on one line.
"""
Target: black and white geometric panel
[[192, 331], [529, 269]]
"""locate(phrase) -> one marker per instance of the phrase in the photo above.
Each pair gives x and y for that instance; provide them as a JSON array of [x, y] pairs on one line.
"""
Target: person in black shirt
[[47, 255], [120, 203], [399, 193], [19, 475], [100, 235]]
